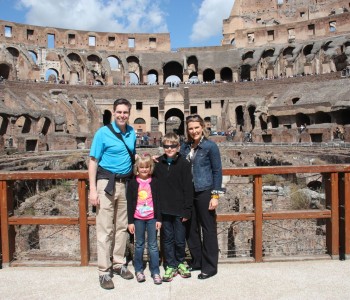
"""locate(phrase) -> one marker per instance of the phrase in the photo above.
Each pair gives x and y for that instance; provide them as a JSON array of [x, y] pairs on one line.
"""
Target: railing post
[[258, 222], [83, 223], [7, 231], [344, 211], [332, 225]]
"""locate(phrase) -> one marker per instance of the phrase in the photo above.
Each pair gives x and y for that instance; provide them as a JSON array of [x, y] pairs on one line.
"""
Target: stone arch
[[5, 71], [226, 74], [173, 68], [133, 78], [239, 117], [4, 124], [33, 55], [134, 67], [192, 64], [43, 125], [140, 125], [114, 63], [174, 121], [23, 123], [152, 77], [245, 72], [51, 75], [251, 111], [13, 51], [208, 75], [107, 117]]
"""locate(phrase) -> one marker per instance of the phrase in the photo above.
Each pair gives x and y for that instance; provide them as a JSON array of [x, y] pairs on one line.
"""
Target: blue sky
[[191, 23]]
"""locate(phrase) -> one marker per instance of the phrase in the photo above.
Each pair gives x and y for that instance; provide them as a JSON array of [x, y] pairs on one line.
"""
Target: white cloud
[[209, 19], [97, 15]]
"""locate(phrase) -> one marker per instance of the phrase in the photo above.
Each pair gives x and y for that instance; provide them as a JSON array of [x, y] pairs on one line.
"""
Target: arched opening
[[152, 77], [301, 119], [251, 111], [134, 79], [174, 121], [274, 121], [322, 117], [139, 125], [208, 75], [239, 117], [51, 75], [245, 72], [226, 74], [33, 56], [107, 117], [307, 50], [4, 71], [113, 63], [288, 52], [24, 123], [43, 125], [192, 64], [173, 68]]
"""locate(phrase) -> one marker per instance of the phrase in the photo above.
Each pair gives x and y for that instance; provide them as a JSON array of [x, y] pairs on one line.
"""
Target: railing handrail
[[337, 193]]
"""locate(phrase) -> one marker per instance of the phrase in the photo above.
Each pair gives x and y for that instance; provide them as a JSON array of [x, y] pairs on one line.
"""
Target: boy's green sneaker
[[170, 273], [183, 270]]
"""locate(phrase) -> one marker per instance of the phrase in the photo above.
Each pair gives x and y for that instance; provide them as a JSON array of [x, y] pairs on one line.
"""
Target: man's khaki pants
[[111, 227]]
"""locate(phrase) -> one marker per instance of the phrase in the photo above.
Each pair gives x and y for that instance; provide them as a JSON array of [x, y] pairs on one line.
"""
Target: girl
[[144, 215]]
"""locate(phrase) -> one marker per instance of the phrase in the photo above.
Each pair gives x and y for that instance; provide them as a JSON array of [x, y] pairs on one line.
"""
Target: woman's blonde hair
[[142, 160], [195, 118]]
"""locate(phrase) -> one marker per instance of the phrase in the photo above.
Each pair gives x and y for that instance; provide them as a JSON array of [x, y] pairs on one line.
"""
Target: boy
[[176, 193]]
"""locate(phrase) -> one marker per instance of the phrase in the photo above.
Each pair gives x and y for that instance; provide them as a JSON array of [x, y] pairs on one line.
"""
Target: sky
[[191, 23]]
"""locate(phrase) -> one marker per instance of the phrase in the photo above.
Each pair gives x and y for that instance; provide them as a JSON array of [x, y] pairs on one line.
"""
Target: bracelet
[[214, 196]]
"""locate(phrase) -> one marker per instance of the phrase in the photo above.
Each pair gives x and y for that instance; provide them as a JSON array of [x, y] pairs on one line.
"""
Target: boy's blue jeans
[[174, 240], [141, 227]]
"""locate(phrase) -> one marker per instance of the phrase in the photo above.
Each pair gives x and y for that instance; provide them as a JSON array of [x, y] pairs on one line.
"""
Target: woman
[[205, 158]]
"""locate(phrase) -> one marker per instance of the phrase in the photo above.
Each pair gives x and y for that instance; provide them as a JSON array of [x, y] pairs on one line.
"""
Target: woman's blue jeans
[[141, 227]]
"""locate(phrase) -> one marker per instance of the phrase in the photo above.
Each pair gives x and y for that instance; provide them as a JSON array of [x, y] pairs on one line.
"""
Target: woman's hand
[[158, 225], [214, 202]]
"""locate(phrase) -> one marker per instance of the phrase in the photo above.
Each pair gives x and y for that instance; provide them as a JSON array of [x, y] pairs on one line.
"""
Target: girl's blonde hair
[[144, 159]]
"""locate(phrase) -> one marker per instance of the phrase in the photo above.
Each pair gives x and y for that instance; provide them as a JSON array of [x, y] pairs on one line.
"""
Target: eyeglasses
[[193, 117], [172, 146]]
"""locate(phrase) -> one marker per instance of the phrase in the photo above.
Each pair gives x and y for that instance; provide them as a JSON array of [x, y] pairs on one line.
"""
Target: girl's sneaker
[[157, 279], [140, 277]]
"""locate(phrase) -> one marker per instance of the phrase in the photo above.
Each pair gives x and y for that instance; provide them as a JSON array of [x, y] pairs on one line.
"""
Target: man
[[110, 166]]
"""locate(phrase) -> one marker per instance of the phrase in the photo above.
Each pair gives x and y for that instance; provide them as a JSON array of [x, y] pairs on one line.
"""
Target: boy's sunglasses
[[172, 146]]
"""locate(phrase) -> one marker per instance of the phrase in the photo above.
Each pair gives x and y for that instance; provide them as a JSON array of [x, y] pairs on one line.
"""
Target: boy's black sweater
[[131, 196], [175, 186]]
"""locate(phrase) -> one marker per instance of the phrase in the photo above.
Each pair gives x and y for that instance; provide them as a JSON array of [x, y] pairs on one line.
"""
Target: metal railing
[[336, 212]]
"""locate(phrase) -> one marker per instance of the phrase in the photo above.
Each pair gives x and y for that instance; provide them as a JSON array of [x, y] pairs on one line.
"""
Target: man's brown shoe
[[123, 272], [106, 282]]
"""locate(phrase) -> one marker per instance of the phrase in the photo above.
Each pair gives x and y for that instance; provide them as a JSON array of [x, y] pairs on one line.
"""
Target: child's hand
[[131, 228], [158, 225], [184, 219]]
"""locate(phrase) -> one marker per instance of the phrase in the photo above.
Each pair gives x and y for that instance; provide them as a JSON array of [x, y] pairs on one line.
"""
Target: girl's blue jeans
[[141, 227]]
